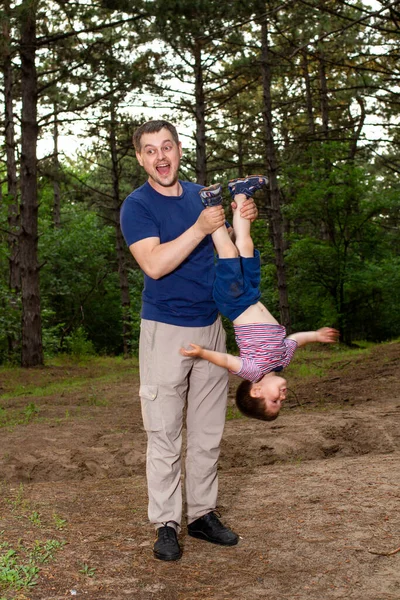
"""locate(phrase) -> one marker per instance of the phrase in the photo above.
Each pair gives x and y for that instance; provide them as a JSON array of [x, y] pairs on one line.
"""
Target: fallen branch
[[385, 553]]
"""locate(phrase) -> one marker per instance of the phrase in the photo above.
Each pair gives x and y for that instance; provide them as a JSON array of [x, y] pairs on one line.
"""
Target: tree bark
[[56, 173], [120, 244], [240, 149], [32, 350], [324, 96], [14, 281], [276, 219], [201, 161], [309, 103]]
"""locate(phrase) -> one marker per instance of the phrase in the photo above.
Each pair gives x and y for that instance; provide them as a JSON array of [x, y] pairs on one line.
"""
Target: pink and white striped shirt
[[263, 347]]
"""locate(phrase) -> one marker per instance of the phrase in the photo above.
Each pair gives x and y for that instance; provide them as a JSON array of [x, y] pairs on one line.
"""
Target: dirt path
[[314, 496]]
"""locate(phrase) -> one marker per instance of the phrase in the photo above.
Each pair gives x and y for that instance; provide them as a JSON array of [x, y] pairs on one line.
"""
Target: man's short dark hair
[[153, 127], [249, 406]]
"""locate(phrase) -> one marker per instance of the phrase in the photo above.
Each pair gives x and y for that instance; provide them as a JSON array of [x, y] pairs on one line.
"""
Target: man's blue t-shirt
[[184, 296]]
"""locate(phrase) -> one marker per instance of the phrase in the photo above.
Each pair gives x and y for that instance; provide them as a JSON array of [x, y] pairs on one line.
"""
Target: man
[[168, 231]]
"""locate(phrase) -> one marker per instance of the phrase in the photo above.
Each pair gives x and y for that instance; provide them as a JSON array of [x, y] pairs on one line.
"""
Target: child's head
[[262, 400]]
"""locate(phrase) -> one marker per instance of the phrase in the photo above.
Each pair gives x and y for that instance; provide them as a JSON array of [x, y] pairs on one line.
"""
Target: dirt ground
[[314, 496]]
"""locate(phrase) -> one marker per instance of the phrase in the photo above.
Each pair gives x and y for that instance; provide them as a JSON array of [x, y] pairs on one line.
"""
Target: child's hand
[[194, 351], [327, 335]]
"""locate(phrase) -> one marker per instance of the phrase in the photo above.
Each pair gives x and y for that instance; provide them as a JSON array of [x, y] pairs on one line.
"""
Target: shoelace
[[167, 534], [215, 516]]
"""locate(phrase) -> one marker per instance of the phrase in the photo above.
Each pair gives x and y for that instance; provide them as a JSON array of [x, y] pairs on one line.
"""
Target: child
[[263, 346]]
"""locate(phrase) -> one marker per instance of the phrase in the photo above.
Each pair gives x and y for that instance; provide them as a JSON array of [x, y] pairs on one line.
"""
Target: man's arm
[[221, 359], [157, 259], [325, 335]]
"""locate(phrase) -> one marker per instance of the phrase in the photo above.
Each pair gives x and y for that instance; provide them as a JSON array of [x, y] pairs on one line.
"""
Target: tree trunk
[[32, 351], [276, 219], [309, 103], [324, 97], [357, 131], [240, 149], [120, 244], [14, 281], [201, 162], [56, 173]]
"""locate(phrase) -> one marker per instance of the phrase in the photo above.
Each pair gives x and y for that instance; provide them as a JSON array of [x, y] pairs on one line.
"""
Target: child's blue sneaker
[[211, 195], [246, 185]]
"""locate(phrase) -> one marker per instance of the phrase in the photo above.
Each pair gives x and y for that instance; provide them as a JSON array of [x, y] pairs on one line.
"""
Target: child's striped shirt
[[263, 347]]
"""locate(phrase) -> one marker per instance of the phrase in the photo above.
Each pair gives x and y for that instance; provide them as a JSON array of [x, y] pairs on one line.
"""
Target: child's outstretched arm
[[221, 359], [325, 335]]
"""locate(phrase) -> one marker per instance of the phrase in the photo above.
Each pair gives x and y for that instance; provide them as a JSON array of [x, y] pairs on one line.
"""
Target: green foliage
[[337, 260], [19, 567], [16, 573], [10, 417], [232, 413], [341, 225], [78, 345], [80, 296], [59, 522], [10, 322], [87, 570], [136, 287]]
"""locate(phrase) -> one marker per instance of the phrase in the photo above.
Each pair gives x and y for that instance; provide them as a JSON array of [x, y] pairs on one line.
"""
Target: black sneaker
[[209, 528], [211, 195], [166, 546]]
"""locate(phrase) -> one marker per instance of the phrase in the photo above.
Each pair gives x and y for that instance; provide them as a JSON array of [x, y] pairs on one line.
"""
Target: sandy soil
[[314, 495]]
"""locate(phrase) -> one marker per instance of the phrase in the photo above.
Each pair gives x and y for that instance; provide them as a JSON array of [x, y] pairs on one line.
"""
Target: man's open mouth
[[163, 168]]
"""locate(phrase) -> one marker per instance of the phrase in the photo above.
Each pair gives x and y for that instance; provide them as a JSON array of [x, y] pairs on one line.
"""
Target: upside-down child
[[264, 349]]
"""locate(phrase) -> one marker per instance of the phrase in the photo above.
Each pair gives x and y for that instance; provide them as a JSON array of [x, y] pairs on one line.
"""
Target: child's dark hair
[[249, 406], [153, 127]]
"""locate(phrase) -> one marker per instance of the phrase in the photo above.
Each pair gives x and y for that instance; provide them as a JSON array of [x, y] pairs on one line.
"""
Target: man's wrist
[[198, 234]]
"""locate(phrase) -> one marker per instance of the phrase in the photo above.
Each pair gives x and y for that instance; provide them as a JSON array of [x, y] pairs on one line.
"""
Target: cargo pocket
[[151, 409]]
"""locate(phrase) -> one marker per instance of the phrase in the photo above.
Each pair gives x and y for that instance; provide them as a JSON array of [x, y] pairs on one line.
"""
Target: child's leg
[[212, 196], [240, 189], [223, 244], [241, 227]]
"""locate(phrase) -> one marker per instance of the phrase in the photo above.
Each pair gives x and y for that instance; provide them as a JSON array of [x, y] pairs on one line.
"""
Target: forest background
[[306, 92]]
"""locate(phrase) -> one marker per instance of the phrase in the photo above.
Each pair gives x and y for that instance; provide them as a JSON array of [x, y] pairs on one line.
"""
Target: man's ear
[[139, 159], [255, 391]]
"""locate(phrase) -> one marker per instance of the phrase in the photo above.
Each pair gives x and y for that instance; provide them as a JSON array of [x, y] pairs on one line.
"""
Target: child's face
[[272, 389]]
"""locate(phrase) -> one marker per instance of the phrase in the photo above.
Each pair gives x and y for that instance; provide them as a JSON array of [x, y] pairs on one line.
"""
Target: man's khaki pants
[[168, 382]]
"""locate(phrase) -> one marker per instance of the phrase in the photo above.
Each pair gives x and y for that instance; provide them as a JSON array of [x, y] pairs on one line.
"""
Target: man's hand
[[194, 351], [210, 219], [327, 335], [248, 209]]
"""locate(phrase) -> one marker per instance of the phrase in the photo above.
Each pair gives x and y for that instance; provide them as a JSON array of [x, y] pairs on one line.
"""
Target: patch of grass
[[9, 417], [31, 411], [93, 400], [60, 387], [21, 559], [59, 522], [316, 362], [34, 518], [88, 571], [19, 502], [43, 552], [233, 413], [310, 370], [16, 573], [19, 567], [62, 375]]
